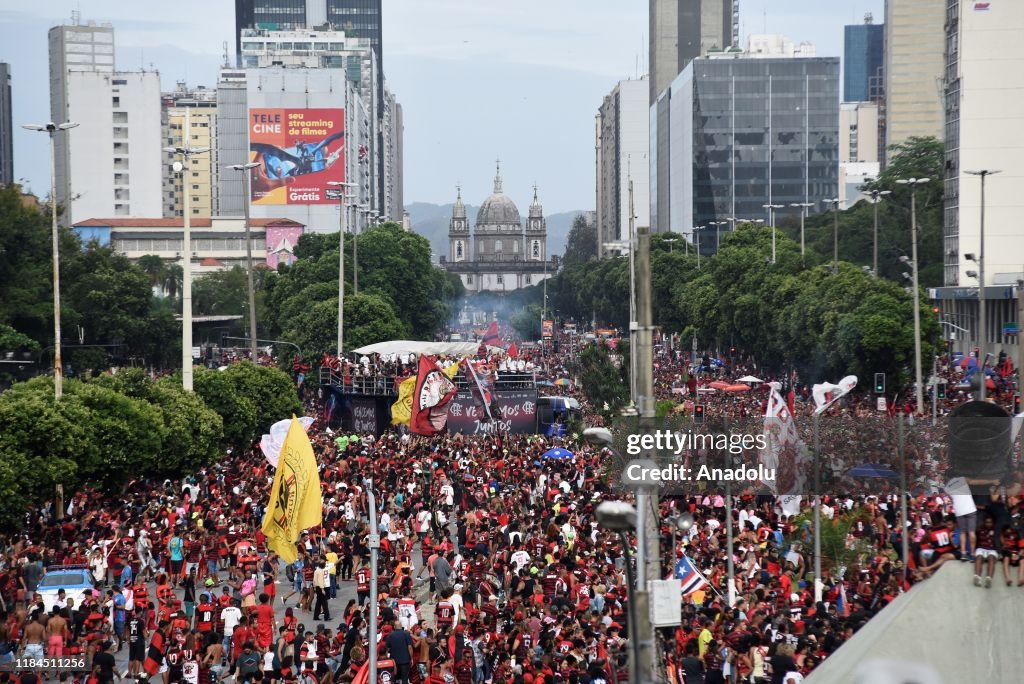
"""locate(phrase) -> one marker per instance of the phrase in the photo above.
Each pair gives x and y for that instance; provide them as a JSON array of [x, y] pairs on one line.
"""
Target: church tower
[[536, 236], [458, 232]]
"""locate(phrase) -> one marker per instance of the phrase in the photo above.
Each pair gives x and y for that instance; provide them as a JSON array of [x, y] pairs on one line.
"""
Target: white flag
[[825, 394], [271, 443]]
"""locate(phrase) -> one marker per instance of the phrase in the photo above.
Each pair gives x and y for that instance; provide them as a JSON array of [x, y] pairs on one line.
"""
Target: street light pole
[[983, 330], [803, 206], [671, 243], [919, 394], [771, 218], [186, 153], [342, 229], [876, 198], [834, 201], [58, 363], [246, 169]]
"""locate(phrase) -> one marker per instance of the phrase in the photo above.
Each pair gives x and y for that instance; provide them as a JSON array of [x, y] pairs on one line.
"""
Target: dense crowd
[[493, 565]]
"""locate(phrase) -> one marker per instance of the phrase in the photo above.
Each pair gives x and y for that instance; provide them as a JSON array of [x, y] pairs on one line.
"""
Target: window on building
[[119, 81], [500, 279], [528, 279], [458, 250], [115, 102], [469, 278], [536, 249]]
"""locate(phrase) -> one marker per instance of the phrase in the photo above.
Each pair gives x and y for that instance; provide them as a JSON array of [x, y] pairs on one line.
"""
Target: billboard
[[547, 329], [298, 151]]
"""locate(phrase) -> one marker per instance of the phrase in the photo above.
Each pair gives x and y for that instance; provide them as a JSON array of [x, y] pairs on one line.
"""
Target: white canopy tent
[[404, 347]]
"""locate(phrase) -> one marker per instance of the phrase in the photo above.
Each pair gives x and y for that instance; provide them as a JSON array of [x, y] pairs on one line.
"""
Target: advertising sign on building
[[299, 151]]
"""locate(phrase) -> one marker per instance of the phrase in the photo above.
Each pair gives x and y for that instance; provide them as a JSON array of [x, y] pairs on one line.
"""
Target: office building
[[858, 149], [681, 30], [201, 177], [6, 126], [501, 254], [914, 70], [760, 45], [622, 145], [863, 59], [393, 206], [740, 133]]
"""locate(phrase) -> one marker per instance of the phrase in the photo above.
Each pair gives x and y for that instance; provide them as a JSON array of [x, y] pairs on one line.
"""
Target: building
[[741, 133], [217, 243], [6, 127], [201, 105], [681, 30], [623, 141], [761, 45], [500, 254], [914, 70], [984, 117], [863, 59], [299, 70], [858, 149]]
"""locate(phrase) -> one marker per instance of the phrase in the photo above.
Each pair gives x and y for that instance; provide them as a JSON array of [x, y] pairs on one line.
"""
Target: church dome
[[498, 209]]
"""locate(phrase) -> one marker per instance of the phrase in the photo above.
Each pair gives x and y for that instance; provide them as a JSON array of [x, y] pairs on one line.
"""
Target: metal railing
[[384, 385]]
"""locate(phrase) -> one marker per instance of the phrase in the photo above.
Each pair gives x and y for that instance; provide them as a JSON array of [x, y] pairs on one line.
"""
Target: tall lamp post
[[186, 152], [803, 206], [876, 199], [982, 329], [343, 206], [718, 232], [671, 243], [771, 222], [247, 178], [914, 183], [834, 201], [58, 364]]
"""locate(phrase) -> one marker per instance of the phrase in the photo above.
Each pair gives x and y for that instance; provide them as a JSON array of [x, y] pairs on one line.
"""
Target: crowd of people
[[493, 566]]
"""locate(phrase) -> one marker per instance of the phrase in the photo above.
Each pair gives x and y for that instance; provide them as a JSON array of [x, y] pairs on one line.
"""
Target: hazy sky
[[478, 79]]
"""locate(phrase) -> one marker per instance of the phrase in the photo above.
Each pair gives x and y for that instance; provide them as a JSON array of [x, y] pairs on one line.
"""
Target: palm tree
[[155, 269], [173, 278]]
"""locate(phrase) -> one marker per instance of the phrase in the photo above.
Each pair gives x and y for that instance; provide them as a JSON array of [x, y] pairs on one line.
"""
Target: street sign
[[664, 599], [196, 353], [880, 404], [334, 193], [1011, 328]]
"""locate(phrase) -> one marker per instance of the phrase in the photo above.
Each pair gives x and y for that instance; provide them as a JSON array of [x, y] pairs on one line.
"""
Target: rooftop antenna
[[765, 10], [76, 17], [224, 45]]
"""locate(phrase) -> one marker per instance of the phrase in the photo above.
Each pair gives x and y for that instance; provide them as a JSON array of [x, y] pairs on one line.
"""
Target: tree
[[249, 399], [154, 267], [174, 275], [369, 318], [603, 383], [581, 245], [526, 322]]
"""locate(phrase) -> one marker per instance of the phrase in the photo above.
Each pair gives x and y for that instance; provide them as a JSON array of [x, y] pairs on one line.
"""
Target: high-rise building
[[6, 130], [111, 164], [858, 149], [681, 30], [863, 59], [914, 70], [742, 133], [622, 144], [201, 178], [393, 207]]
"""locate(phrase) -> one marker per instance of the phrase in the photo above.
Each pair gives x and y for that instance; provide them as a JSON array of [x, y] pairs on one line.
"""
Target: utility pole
[[374, 544], [876, 198], [649, 561], [246, 180], [342, 229], [983, 330], [633, 392], [835, 231], [919, 394], [803, 215]]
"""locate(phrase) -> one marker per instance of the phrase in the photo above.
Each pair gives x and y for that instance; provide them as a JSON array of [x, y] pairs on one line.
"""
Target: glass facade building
[[743, 133], [863, 58]]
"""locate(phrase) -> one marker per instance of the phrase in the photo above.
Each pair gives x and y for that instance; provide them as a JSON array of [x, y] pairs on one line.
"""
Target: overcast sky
[[478, 79]]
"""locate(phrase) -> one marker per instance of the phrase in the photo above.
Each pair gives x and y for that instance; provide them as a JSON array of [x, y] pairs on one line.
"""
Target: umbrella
[[545, 383], [562, 382], [878, 470], [718, 384], [749, 378], [737, 388], [558, 453]]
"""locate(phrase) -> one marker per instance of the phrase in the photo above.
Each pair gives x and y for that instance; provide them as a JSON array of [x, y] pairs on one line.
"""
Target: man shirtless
[[33, 640], [57, 630]]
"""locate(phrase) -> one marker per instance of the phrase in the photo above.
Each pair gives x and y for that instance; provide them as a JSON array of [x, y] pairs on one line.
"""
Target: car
[[74, 580]]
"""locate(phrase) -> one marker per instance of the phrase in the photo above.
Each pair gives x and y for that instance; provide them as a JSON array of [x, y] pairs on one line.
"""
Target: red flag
[[492, 337], [155, 654], [513, 351], [430, 399], [791, 401]]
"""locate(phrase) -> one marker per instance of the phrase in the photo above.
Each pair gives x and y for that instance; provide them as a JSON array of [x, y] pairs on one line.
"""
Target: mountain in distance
[[431, 221]]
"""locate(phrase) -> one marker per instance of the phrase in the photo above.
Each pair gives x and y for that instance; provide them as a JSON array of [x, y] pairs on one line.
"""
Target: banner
[[481, 386], [434, 389], [547, 329], [298, 151], [784, 450], [296, 500], [514, 412]]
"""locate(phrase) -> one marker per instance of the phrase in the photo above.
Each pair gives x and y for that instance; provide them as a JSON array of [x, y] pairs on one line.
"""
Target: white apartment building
[[622, 146], [858, 149]]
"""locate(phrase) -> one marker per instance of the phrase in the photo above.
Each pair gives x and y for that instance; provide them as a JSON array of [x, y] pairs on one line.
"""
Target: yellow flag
[[401, 410], [296, 500]]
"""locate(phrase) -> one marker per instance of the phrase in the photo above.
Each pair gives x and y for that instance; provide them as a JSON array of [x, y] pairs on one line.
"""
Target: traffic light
[[879, 383], [941, 389], [698, 414], [732, 351], [1016, 404]]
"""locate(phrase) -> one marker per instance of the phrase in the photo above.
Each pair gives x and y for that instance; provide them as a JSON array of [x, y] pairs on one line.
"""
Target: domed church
[[500, 255]]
